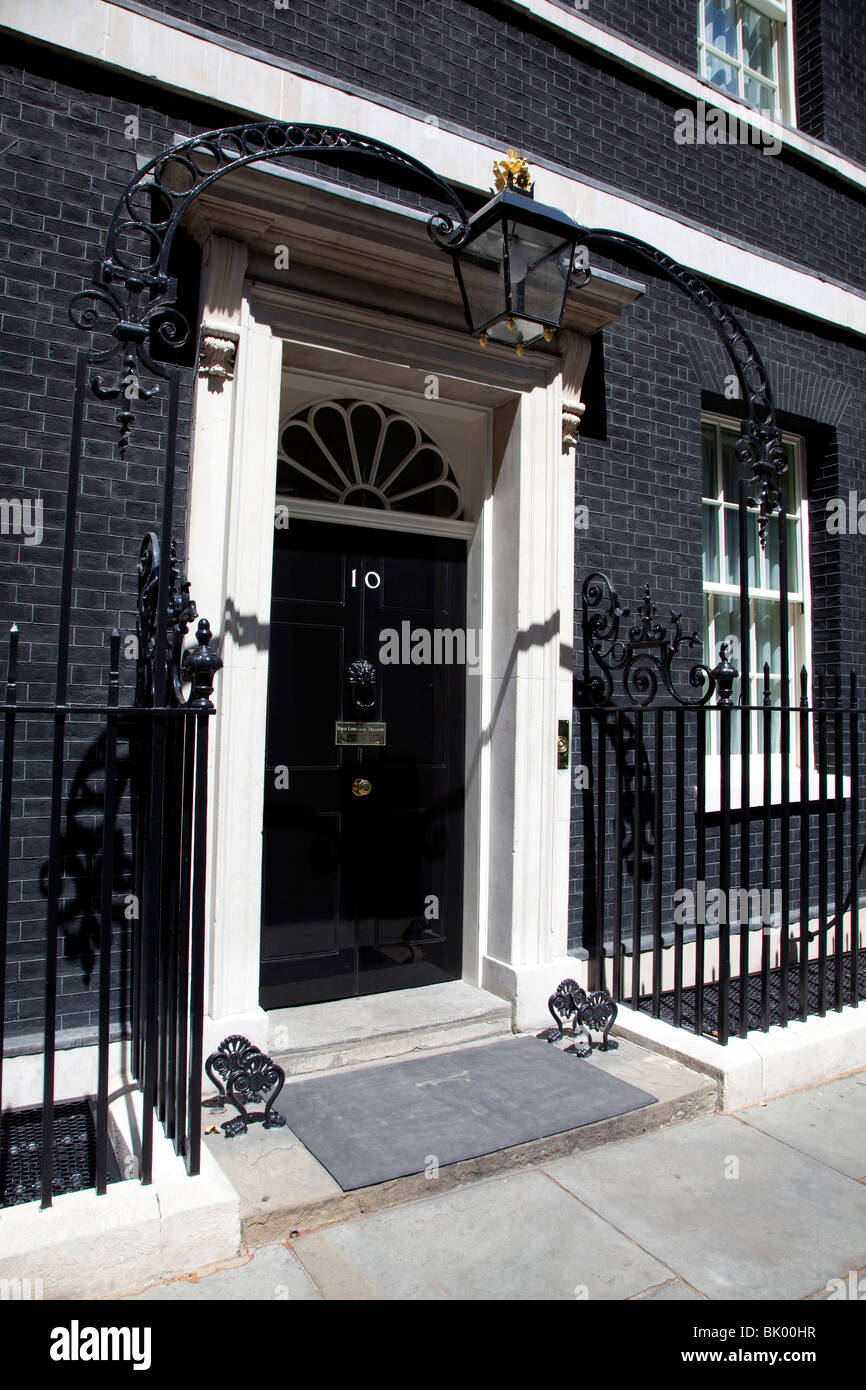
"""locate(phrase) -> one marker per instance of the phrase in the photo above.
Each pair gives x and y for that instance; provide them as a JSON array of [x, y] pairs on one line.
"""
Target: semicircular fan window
[[362, 454]]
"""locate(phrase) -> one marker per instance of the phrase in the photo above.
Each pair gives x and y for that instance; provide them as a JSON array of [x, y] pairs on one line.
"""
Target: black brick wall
[[809, 67], [843, 53]]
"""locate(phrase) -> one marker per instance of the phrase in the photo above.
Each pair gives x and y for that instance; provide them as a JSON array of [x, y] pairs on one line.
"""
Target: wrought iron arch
[[759, 448], [131, 290]]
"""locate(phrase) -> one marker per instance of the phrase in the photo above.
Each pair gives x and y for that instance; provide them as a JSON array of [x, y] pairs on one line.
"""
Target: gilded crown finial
[[513, 170]]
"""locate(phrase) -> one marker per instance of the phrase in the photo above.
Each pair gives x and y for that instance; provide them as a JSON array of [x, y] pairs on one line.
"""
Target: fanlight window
[[362, 454]]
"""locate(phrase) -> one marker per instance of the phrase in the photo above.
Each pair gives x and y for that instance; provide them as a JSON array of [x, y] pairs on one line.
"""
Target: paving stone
[[780, 1229], [519, 1237], [826, 1122]]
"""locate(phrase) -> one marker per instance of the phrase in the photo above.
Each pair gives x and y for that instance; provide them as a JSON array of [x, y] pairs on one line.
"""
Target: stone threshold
[[320, 1037], [284, 1191]]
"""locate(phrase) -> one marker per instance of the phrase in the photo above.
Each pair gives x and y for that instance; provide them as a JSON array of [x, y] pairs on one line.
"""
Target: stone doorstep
[[283, 1189], [345, 1032], [763, 1065]]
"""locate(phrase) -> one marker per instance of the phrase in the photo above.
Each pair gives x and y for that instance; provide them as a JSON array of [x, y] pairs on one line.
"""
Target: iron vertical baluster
[[766, 839], [55, 851], [151, 911], [141, 752], [618, 980], [680, 819], [197, 938], [821, 741], [109, 821], [853, 740], [6, 824], [657, 862], [169, 923], [583, 755], [725, 875], [151, 925], [745, 744], [839, 849], [785, 751], [184, 926], [601, 843], [49, 1043], [805, 848], [637, 847], [701, 864]]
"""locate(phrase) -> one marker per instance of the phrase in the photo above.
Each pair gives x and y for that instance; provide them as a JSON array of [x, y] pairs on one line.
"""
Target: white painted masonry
[[519, 486]]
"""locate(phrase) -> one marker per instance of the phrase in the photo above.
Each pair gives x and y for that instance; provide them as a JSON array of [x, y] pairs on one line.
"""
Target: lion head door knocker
[[362, 681]]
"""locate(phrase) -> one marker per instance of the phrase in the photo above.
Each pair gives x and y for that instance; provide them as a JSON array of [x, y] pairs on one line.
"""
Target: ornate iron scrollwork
[[362, 684], [759, 448], [132, 293], [595, 1011], [645, 655], [248, 1075], [195, 667]]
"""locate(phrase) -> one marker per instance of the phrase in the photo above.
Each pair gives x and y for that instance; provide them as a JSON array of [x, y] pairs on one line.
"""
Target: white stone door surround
[[521, 561]]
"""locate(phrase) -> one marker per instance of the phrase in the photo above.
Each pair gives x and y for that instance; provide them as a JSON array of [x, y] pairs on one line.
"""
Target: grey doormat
[[388, 1121]]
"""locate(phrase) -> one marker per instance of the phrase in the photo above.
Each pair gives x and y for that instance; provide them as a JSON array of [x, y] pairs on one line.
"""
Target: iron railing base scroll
[[596, 1010], [249, 1074]]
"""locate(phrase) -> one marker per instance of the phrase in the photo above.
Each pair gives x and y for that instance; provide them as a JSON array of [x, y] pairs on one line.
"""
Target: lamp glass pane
[[539, 264], [481, 265], [525, 331]]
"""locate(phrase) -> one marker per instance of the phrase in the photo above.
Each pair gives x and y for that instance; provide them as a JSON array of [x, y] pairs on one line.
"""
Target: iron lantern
[[514, 263]]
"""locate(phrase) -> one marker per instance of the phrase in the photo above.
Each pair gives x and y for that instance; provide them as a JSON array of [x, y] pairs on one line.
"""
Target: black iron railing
[[139, 918], [721, 842]]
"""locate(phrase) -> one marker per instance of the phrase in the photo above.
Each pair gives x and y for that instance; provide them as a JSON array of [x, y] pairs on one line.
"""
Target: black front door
[[363, 844]]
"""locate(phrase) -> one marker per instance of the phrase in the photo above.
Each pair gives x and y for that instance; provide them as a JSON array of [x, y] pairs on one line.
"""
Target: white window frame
[[779, 13], [799, 653]]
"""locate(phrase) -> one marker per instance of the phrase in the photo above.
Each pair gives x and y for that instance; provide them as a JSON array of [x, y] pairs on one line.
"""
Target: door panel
[[361, 894]]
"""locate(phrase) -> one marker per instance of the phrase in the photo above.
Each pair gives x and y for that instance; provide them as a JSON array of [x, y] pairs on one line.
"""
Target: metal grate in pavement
[[21, 1149]]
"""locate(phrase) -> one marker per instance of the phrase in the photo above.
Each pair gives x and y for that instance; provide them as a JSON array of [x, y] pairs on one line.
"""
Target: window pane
[[711, 544], [721, 74], [793, 559], [757, 41], [759, 94], [789, 480], [770, 567], [708, 449], [730, 467], [767, 642], [732, 545], [770, 557], [723, 625], [720, 25]]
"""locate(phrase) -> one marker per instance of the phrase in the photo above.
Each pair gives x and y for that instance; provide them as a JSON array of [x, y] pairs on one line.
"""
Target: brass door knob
[[361, 787]]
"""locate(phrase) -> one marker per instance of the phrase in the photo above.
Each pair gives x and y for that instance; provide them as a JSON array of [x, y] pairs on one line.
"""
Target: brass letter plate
[[367, 734]]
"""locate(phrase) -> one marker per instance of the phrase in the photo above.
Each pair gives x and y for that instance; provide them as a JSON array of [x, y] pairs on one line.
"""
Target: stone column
[[231, 526], [532, 675]]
